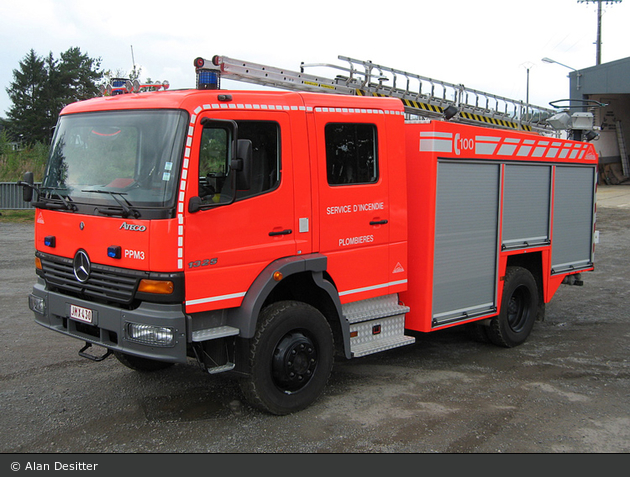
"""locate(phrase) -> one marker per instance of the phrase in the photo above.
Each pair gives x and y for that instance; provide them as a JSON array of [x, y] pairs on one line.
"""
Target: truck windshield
[[117, 157]]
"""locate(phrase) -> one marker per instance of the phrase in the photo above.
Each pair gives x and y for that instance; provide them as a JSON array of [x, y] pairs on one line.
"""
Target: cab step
[[376, 324]]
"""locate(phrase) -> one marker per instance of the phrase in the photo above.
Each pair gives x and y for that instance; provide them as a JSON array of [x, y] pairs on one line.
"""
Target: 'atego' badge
[[133, 227]]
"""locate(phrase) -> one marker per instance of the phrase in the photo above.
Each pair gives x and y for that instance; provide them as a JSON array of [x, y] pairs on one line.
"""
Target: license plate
[[81, 314]]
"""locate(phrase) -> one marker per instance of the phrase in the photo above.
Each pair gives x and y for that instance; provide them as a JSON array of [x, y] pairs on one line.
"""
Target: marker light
[[113, 251], [158, 287], [50, 241]]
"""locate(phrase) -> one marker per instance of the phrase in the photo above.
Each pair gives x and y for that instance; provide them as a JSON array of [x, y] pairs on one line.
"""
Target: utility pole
[[598, 59]]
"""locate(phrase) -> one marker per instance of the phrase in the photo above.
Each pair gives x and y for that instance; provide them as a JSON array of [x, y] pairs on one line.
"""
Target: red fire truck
[[265, 233]]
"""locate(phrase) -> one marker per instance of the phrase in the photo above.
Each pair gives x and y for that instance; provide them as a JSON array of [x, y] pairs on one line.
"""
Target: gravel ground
[[566, 390]]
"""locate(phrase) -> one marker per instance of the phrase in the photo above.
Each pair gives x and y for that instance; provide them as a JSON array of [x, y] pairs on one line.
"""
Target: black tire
[[478, 332], [290, 358], [143, 365], [519, 308]]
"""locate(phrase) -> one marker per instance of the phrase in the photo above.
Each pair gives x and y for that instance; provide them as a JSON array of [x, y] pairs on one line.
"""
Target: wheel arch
[[303, 279]]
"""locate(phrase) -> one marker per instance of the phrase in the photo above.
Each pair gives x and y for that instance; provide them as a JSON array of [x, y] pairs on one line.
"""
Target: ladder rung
[[422, 96]]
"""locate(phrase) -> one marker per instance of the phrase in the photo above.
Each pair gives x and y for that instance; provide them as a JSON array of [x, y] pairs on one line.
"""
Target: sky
[[488, 45]]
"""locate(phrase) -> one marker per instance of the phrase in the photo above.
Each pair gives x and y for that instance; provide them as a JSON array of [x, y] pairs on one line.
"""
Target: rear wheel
[[519, 307], [290, 358]]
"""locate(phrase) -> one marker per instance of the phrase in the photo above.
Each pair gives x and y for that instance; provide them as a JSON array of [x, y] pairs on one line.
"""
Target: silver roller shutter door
[[572, 218], [465, 263], [526, 205]]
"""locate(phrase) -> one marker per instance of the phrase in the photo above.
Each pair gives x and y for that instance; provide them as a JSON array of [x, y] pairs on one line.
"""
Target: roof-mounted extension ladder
[[422, 97]]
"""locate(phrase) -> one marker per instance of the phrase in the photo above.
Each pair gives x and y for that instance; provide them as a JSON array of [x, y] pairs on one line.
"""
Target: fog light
[[150, 335], [37, 304]]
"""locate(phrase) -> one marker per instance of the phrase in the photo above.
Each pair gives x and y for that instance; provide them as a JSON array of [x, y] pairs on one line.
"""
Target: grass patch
[[17, 216]]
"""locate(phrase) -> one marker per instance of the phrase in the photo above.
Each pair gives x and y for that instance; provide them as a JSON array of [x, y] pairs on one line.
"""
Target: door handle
[[281, 232], [378, 222]]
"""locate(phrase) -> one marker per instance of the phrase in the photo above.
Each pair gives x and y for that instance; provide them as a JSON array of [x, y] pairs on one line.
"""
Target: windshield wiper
[[44, 201], [126, 207]]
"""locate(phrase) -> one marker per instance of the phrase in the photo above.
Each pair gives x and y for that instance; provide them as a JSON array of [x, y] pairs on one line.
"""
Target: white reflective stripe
[[212, 299], [507, 150], [373, 287], [436, 145], [486, 145], [434, 141], [282, 107]]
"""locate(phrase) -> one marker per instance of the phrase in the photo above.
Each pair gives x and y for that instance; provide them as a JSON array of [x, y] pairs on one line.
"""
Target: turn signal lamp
[[157, 287], [38, 263]]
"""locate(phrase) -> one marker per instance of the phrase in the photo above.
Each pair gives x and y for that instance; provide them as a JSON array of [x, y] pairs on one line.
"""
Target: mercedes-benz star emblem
[[81, 266]]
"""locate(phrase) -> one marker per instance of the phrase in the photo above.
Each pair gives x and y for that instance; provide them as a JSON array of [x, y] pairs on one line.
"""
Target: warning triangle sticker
[[399, 268], [40, 218]]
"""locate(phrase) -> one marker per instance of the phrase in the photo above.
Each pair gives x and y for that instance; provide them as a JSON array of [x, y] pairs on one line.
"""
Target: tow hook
[[83, 354]]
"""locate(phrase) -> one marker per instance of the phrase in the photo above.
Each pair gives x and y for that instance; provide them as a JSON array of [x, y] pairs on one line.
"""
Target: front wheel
[[519, 307], [290, 358]]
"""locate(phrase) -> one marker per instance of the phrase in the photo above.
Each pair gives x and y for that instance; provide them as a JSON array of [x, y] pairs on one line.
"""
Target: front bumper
[[110, 326]]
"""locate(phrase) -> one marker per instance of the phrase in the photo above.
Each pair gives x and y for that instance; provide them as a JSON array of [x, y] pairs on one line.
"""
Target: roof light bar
[[124, 86]]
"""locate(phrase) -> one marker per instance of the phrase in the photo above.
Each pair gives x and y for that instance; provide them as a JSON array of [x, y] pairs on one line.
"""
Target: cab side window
[[215, 184], [351, 153], [265, 138]]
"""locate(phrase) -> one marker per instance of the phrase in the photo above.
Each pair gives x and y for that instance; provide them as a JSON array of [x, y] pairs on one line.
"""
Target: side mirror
[[242, 165], [27, 187], [194, 205]]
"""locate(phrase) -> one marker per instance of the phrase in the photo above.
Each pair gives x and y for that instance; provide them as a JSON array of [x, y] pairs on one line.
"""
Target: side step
[[376, 324], [216, 334]]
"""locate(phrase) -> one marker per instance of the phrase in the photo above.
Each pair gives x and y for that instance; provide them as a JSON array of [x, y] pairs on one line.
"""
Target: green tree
[[27, 117], [79, 75], [41, 87]]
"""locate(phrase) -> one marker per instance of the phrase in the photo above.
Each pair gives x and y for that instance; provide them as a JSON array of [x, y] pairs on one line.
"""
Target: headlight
[[37, 304], [150, 335]]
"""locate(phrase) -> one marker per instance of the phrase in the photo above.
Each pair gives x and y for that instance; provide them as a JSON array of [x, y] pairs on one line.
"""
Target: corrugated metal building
[[608, 83]]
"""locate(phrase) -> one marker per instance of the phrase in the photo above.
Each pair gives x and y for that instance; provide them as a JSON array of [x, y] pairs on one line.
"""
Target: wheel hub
[[518, 309], [294, 361]]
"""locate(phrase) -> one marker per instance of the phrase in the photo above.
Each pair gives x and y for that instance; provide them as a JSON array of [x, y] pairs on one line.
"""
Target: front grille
[[107, 284]]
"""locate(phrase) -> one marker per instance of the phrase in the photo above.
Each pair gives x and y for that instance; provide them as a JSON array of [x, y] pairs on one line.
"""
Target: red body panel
[[149, 247], [379, 238], [428, 142]]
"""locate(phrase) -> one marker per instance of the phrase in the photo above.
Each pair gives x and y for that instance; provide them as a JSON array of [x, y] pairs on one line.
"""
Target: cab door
[[354, 211], [236, 234]]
